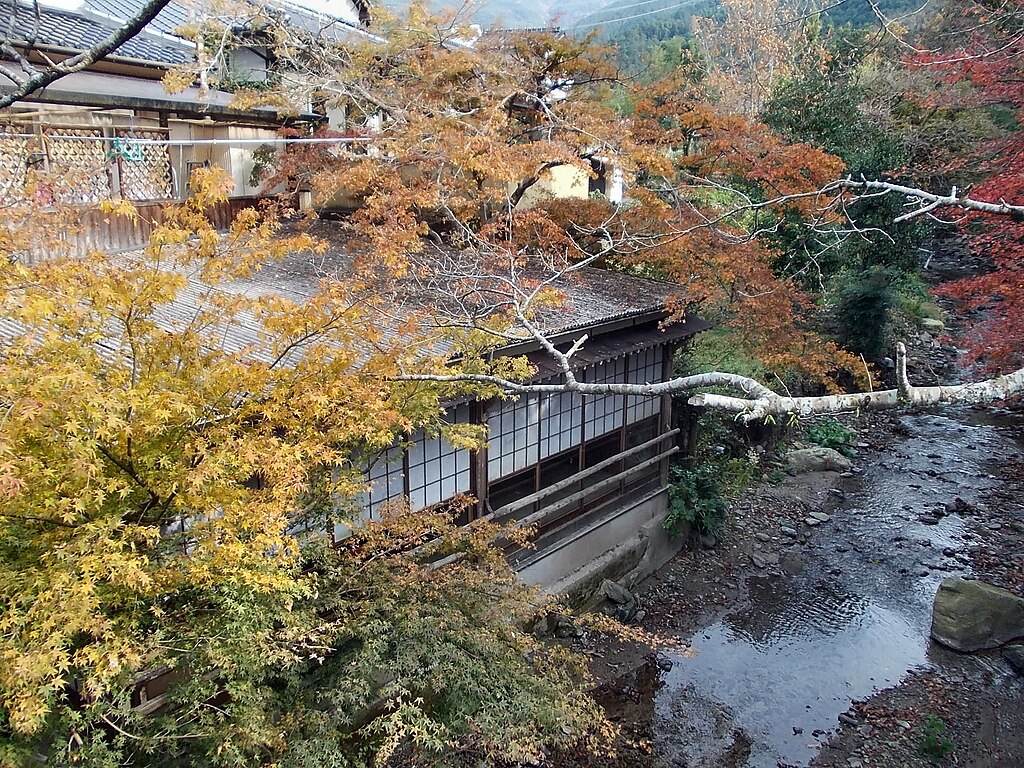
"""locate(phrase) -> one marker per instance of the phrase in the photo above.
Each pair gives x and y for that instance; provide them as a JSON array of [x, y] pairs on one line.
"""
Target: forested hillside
[[636, 24], [858, 13], [636, 28]]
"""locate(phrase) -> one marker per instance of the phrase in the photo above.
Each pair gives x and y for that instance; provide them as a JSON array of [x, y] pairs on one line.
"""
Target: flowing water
[[770, 678]]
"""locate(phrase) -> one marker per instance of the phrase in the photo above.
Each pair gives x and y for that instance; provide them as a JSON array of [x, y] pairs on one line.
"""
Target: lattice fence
[[80, 159], [144, 169], [14, 154], [81, 163]]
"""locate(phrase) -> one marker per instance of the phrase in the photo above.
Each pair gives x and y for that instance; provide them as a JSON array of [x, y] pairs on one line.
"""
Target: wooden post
[[665, 423], [478, 462]]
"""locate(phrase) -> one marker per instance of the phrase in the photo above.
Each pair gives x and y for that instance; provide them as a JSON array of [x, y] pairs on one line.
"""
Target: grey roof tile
[[56, 28], [172, 17], [159, 43]]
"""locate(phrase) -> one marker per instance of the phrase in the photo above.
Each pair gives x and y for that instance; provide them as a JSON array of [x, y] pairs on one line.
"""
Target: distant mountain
[[518, 13], [613, 15]]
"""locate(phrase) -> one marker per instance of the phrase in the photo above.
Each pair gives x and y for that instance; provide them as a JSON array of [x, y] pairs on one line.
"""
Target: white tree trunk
[[760, 402]]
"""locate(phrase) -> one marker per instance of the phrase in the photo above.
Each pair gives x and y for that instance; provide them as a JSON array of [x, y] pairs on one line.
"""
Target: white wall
[[341, 9]]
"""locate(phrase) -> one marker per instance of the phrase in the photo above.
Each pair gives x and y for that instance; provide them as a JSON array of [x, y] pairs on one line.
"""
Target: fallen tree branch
[[760, 402], [930, 201]]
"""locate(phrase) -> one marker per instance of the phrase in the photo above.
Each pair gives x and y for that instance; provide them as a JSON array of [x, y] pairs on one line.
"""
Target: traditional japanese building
[[589, 472], [117, 123]]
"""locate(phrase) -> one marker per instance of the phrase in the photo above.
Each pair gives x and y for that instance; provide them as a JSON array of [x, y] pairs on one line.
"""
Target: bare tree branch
[[930, 201], [761, 402]]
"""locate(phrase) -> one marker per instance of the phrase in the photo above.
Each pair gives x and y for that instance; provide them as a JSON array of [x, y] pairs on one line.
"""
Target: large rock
[[618, 601], [972, 615], [1014, 655], [817, 460]]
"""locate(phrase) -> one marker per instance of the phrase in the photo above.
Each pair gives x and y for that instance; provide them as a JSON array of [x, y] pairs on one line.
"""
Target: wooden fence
[[99, 231]]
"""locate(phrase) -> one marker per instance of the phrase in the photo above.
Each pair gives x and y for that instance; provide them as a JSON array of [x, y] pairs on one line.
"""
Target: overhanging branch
[[118, 37], [759, 401], [930, 201]]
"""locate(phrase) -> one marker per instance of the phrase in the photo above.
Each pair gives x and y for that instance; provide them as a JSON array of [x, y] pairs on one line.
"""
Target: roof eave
[[51, 95]]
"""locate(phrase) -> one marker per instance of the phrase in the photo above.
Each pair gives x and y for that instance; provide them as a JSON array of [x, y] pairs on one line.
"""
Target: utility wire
[[195, 142], [617, 8]]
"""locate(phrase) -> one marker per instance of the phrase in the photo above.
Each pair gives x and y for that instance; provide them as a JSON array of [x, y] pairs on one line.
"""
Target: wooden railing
[[507, 512], [551, 512]]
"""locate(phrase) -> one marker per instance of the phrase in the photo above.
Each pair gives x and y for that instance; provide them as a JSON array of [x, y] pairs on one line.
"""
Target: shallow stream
[[849, 616]]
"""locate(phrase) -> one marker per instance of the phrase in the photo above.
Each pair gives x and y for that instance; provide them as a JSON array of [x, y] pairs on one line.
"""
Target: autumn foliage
[[983, 66], [165, 498], [166, 482]]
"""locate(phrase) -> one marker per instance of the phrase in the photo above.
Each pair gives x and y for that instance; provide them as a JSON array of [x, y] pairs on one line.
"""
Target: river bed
[[845, 613]]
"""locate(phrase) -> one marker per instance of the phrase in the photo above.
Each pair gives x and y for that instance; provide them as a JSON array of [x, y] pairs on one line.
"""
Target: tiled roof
[[595, 298], [176, 15], [592, 297], [158, 43], [172, 17], [55, 28]]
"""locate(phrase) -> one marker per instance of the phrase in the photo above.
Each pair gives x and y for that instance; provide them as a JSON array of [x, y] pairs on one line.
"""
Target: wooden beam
[[580, 495], [569, 481]]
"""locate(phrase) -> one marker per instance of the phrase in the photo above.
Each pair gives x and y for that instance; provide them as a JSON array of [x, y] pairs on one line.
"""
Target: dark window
[[595, 452], [512, 489], [599, 182]]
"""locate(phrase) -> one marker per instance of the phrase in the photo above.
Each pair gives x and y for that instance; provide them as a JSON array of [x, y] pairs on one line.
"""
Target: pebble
[[949, 551], [820, 516], [664, 663], [812, 521], [787, 531], [928, 520], [762, 536], [994, 526]]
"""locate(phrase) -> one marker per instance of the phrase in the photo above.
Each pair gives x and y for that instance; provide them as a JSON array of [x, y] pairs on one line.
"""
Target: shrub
[[934, 744], [863, 312], [829, 433], [696, 497]]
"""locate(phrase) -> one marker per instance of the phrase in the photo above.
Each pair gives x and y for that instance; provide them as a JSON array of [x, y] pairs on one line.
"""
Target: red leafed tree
[[987, 67], [711, 184]]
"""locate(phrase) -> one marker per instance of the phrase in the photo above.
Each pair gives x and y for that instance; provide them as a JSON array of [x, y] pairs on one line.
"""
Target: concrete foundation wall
[[626, 545]]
